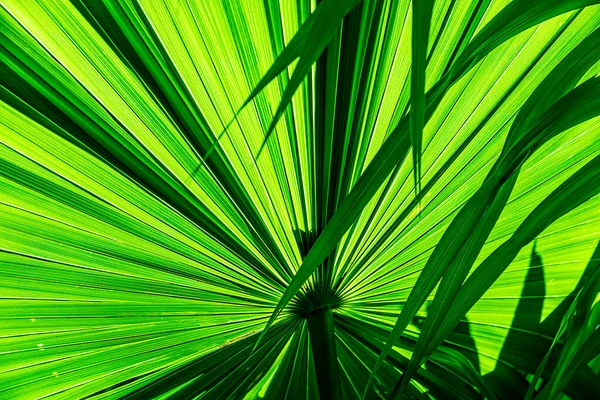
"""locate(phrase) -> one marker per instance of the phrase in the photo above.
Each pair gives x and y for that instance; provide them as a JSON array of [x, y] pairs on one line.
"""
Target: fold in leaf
[[420, 36]]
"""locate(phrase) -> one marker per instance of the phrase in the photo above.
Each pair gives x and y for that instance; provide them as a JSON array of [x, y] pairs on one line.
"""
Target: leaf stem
[[322, 340]]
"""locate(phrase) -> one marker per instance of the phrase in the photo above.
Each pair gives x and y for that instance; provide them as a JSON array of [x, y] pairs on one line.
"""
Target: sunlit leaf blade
[[326, 23], [513, 19], [306, 46]]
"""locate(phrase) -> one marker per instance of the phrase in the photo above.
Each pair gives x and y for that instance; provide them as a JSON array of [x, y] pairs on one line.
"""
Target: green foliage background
[[299, 199]]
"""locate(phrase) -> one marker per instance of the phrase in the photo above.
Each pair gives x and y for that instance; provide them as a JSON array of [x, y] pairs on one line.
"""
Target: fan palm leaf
[[299, 199]]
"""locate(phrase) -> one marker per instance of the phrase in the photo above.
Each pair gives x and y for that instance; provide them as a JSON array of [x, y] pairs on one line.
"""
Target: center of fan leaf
[[313, 300]]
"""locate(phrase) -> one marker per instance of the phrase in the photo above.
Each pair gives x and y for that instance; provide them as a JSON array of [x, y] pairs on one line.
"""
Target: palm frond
[[300, 200]]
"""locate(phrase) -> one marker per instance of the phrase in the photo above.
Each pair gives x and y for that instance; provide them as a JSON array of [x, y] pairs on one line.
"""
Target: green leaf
[[420, 36], [374, 175], [514, 18], [580, 187], [579, 326], [568, 318], [459, 247], [306, 46], [144, 245], [587, 352], [398, 144]]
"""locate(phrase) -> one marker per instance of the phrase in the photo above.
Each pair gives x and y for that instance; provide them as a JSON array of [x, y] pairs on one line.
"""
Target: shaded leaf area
[[527, 341], [571, 193], [440, 377], [237, 199], [451, 364], [528, 317], [461, 339], [577, 333]]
